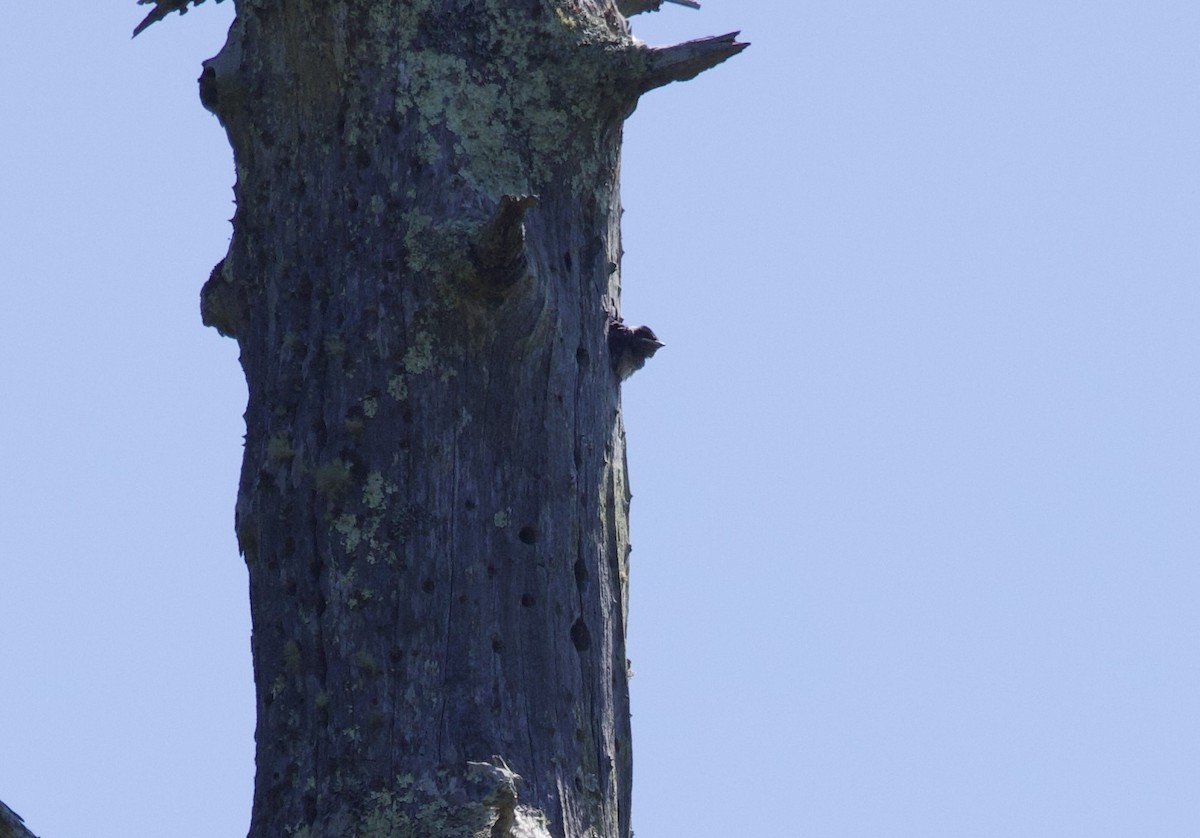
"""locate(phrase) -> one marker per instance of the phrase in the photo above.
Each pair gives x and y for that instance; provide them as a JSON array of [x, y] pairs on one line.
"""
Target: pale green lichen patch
[[440, 249], [514, 119], [370, 406], [419, 356], [376, 490], [366, 664], [502, 518], [415, 808], [354, 600], [565, 18], [397, 388], [279, 449], [371, 528], [402, 814], [347, 526], [417, 226], [291, 657], [330, 479]]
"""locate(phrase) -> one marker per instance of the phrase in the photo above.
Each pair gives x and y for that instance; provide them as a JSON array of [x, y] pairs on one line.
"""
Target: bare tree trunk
[[433, 501]]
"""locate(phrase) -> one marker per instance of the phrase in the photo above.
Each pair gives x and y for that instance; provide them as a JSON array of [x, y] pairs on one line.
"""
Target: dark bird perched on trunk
[[629, 348]]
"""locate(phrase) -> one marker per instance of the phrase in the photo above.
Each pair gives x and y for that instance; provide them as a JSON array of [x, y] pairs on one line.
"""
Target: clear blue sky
[[917, 516]]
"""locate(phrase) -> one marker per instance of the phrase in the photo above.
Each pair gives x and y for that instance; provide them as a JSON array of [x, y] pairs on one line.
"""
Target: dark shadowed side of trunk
[[433, 500]]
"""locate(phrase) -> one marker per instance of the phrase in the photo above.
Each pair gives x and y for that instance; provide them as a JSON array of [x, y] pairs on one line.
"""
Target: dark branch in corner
[[161, 9], [629, 8], [12, 825], [687, 60], [500, 252]]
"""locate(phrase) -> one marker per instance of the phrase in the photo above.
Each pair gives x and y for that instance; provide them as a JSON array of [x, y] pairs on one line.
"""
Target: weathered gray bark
[[12, 825], [433, 501]]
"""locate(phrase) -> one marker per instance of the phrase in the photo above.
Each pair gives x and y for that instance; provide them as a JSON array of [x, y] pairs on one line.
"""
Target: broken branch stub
[[681, 62]]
